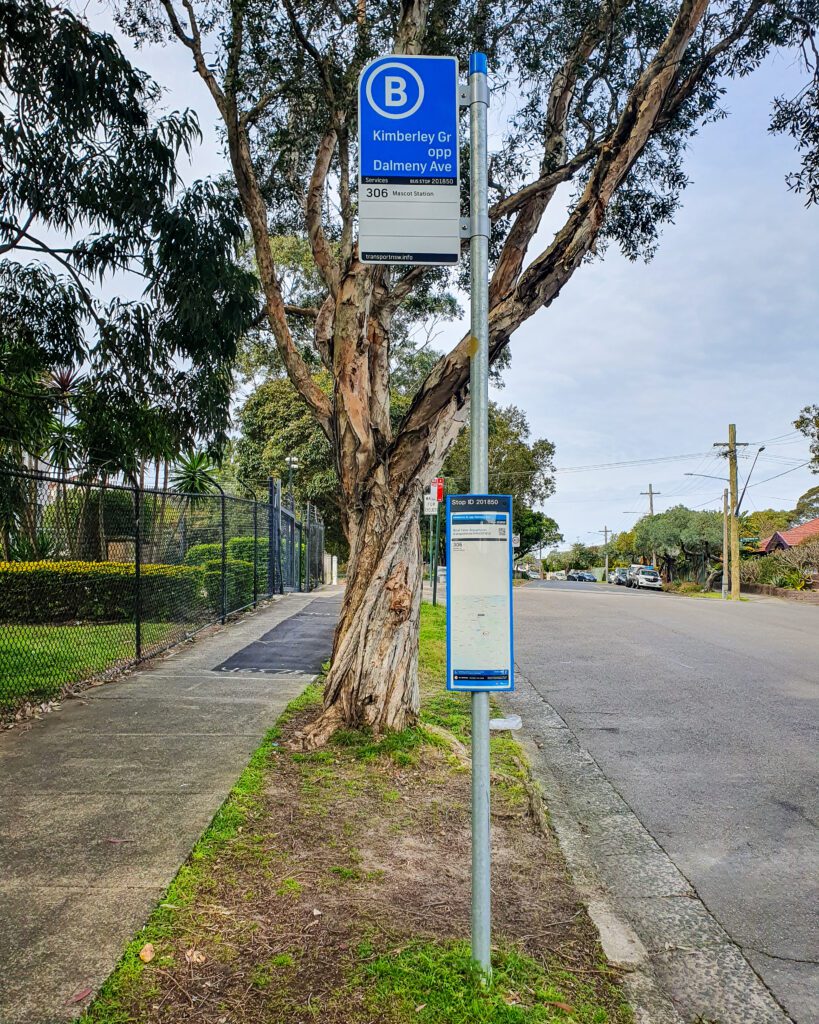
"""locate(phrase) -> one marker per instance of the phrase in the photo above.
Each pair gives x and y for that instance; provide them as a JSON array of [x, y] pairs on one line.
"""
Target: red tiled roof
[[793, 536]]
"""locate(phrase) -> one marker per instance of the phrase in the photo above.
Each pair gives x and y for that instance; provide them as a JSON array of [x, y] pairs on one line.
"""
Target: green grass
[[433, 982], [38, 661]]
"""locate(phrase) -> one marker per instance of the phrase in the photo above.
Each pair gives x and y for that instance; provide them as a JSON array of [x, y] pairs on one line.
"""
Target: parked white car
[[647, 577]]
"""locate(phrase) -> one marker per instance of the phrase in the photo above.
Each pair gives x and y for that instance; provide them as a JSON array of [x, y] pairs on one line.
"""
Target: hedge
[[51, 592], [239, 583], [242, 548], [201, 554]]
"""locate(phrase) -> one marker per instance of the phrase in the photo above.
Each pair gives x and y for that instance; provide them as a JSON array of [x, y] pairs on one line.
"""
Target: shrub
[[690, 587], [242, 548], [790, 569], [238, 582], [49, 592], [201, 554]]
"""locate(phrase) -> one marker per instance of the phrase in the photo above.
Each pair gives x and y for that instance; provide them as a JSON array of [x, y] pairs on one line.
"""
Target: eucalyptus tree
[[808, 420], [599, 96], [89, 191]]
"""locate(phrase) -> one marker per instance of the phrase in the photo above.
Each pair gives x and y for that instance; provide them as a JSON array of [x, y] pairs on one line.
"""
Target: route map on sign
[[408, 187], [479, 589]]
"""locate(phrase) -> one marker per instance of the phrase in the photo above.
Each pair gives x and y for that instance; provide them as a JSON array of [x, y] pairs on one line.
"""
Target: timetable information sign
[[479, 634], [408, 185]]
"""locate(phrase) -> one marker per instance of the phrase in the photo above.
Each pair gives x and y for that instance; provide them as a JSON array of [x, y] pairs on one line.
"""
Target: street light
[[747, 478], [295, 550], [292, 463]]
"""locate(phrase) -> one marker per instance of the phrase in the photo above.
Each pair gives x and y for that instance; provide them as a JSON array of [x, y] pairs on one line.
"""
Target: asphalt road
[[704, 716]]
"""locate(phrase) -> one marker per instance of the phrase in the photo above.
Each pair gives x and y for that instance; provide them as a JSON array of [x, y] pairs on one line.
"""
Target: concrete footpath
[[103, 801]]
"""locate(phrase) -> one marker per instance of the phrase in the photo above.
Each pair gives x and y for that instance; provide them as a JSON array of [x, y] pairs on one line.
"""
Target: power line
[[777, 475], [630, 462]]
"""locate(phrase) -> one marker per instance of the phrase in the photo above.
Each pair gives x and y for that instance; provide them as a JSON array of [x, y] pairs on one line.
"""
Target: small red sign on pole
[[437, 488]]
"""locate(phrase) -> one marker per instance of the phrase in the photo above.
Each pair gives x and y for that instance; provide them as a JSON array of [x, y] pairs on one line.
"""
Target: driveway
[[703, 716]]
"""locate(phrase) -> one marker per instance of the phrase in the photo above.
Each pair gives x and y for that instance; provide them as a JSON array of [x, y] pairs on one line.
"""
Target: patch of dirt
[[344, 859]]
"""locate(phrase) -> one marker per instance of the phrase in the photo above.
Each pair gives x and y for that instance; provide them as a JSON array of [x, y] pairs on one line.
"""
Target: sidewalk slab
[[103, 801]]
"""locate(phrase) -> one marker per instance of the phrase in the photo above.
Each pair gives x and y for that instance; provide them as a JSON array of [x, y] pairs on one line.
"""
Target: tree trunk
[[373, 681]]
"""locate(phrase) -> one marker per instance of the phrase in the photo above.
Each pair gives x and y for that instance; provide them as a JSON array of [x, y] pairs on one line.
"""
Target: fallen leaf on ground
[[420, 1007], [147, 953], [78, 997], [317, 913], [559, 1005], [195, 956]]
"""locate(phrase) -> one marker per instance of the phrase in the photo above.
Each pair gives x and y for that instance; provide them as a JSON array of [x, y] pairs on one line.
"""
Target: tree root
[[318, 732], [453, 743]]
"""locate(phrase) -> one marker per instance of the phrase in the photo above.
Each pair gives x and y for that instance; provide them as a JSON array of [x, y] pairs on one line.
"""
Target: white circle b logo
[[397, 90]]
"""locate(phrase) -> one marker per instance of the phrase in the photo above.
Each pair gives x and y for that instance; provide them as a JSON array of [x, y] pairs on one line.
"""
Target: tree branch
[[544, 184], [530, 212], [194, 44], [682, 90], [322, 253], [444, 392]]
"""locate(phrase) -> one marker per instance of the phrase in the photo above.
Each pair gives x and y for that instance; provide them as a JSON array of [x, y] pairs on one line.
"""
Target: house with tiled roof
[[789, 538]]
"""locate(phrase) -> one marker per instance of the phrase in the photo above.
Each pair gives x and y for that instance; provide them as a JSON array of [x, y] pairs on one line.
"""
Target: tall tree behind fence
[[94, 577]]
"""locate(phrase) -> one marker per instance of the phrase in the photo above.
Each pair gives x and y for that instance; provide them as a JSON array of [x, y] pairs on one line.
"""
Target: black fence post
[[307, 548], [272, 536], [138, 572], [224, 555], [255, 553]]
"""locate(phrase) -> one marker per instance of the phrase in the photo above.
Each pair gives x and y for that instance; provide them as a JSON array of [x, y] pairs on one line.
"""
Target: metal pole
[[224, 556], [307, 548], [429, 546], [479, 484], [255, 552], [435, 557], [272, 536], [606, 541], [725, 544], [137, 572]]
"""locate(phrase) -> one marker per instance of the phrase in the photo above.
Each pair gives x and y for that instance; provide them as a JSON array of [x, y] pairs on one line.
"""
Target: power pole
[[651, 496], [605, 531], [731, 454], [725, 544]]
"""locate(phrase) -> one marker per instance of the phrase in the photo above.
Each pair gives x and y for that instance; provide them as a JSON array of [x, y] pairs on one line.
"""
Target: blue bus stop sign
[[408, 185]]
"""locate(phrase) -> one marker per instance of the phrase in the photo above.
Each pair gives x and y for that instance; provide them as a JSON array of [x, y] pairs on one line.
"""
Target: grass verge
[[334, 887]]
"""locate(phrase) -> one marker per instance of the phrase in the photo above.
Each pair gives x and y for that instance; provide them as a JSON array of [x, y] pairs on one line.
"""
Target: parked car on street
[[587, 577], [559, 575], [573, 575], [647, 577], [620, 577]]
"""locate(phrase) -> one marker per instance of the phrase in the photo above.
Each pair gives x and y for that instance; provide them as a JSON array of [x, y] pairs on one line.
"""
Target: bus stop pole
[[479, 484]]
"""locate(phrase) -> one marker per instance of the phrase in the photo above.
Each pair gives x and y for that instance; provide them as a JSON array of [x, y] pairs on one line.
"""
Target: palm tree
[[193, 474]]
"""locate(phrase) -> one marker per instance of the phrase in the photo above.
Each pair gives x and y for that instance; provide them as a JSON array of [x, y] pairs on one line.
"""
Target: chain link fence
[[94, 578]]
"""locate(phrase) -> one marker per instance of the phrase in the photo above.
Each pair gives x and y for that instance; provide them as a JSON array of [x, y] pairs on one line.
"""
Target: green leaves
[[85, 162]]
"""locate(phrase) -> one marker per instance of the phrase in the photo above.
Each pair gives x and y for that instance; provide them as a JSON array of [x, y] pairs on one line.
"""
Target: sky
[[639, 361]]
